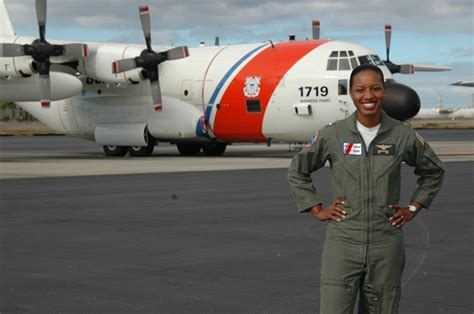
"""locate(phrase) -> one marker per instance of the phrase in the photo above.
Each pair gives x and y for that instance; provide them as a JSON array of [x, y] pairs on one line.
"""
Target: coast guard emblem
[[252, 86]]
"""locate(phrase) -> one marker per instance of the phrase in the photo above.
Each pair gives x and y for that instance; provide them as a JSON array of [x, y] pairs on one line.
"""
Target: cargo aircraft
[[130, 97]]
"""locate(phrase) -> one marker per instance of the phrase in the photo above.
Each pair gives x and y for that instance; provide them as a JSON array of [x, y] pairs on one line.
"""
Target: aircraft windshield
[[343, 60], [377, 60], [365, 60]]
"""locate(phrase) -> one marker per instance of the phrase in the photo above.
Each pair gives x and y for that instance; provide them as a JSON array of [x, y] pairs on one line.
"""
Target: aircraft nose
[[401, 102]]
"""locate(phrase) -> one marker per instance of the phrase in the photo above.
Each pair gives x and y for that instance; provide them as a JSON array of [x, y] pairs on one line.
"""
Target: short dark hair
[[365, 67]]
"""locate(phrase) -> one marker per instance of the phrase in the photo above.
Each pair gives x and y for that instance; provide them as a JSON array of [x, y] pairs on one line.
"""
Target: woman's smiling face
[[367, 93]]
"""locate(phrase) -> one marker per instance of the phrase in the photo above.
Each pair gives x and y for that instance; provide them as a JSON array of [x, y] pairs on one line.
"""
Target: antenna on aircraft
[[216, 41], [41, 51], [316, 25], [149, 60]]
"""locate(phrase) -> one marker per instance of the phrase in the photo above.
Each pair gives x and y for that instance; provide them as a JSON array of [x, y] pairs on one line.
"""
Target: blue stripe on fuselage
[[229, 73]]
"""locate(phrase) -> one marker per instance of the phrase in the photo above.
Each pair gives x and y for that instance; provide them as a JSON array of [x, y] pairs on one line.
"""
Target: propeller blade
[[145, 20], [388, 39], [177, 53], [45, 90], [407, 69], [156, 95], [11, 50], [430, 68], [316, 31], [75, 50], [41, 16], [123, 65]]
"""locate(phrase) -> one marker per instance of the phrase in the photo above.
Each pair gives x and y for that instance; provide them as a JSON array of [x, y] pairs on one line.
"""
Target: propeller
[[149, 59], [406, 68], [395, 68], [41, 51], [316, 25]]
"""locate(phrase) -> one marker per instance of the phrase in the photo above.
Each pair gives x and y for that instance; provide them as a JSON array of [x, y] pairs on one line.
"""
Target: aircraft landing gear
[[214, 148], [188, 149], [142, 151], [115, 151]]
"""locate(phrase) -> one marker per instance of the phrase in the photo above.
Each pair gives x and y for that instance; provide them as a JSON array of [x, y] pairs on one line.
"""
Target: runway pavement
[[59, 156], [228, 241]]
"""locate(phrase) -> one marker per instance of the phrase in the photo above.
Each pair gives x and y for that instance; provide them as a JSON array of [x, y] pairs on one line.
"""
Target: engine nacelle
[[17, 67], [99, 64], [27, 88], [401, 102]]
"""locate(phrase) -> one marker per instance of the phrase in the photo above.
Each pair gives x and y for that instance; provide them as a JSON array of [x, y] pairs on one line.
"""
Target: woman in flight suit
[[364, 251]]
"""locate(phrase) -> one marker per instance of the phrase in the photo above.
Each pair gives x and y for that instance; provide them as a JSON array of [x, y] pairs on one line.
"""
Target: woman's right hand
[[332, 212]]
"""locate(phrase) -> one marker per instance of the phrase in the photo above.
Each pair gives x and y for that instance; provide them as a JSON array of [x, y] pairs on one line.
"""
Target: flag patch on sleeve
[[313, 140]]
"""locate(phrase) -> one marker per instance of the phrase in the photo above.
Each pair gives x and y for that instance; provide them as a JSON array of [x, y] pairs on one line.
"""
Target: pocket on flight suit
[[337, 297], [383, 301]]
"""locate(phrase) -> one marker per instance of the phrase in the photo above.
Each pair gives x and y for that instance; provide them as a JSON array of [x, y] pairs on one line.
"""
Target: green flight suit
[[364, 253]]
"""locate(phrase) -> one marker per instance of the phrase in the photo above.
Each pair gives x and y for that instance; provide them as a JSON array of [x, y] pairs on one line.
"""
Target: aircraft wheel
[[188, 149], [142, 151], [115, 151], [214, 148]]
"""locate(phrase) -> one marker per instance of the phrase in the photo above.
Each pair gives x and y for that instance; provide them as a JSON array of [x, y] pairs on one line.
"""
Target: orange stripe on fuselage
[[232, 122]]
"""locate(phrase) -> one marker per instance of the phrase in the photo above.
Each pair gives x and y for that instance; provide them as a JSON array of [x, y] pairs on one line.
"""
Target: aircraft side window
[[253, 106], [365, 60], [344, 64], [332, 65], [343, 53], [334, 54], [342, 87], [354, 62]]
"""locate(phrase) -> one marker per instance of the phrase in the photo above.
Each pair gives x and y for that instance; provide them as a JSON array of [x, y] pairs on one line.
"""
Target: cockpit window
[[341, 60], [354, 62], [344, 64], [365, 60], [332, 65], [377, 60]]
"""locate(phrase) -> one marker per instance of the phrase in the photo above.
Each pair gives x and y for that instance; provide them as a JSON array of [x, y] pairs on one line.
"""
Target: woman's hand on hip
[[402, 216], [332, 212]]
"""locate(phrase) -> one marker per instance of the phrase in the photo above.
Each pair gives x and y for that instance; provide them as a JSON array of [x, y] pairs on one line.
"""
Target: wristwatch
[[412, 209]]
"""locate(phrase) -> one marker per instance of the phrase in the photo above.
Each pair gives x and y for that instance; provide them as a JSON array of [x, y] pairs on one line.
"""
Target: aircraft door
[[344, 100]]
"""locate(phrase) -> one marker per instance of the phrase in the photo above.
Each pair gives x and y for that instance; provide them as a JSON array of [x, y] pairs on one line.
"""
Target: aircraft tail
[[6, 27]]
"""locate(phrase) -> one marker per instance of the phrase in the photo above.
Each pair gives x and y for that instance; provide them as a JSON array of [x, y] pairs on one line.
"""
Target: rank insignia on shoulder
[[384, 149]]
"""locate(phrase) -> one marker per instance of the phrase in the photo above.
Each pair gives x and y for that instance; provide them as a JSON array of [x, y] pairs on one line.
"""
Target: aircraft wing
[[464, 83]]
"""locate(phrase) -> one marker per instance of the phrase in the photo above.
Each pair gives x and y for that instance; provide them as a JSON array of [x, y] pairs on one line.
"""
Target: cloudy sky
[[437, 32]]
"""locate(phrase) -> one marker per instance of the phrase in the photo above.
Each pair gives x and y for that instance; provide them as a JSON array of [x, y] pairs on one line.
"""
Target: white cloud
[[97, 21]]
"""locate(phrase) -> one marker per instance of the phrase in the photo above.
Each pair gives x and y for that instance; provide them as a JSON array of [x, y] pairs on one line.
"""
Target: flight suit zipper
[[366, 196]]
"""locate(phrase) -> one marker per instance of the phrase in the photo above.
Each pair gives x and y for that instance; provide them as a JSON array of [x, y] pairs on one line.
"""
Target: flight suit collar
[[386, 124]]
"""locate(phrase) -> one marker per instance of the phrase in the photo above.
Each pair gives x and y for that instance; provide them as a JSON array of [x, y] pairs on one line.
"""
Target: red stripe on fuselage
[[232, 122]]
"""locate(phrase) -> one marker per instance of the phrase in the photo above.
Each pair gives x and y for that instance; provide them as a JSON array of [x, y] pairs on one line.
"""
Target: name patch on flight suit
[[352, 149], [383, 149]]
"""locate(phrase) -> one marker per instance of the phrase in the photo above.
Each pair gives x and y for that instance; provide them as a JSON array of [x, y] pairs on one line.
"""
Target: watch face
[[412, 208]]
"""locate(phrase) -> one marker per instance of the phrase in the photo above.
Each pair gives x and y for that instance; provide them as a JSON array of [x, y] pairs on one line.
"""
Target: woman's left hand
[[401, 217]]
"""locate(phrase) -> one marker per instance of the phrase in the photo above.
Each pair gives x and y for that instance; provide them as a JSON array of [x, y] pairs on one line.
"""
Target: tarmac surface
[[194, 241]]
